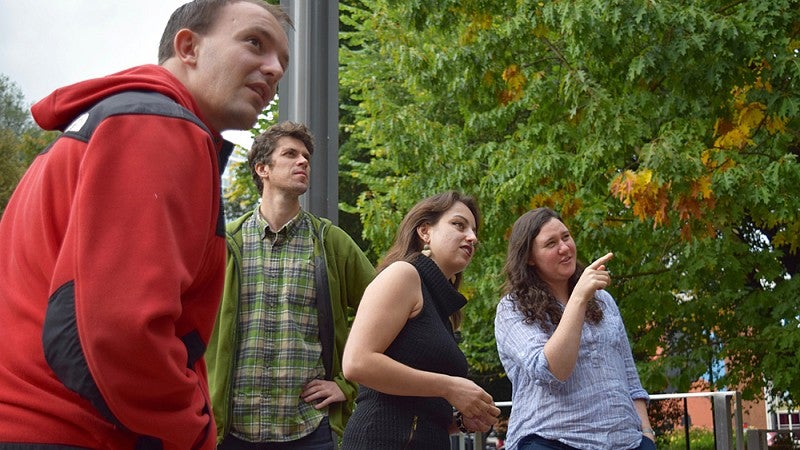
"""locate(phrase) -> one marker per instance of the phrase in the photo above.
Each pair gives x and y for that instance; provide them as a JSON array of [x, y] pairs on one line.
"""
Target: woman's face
[[552, 253], [452, 239]]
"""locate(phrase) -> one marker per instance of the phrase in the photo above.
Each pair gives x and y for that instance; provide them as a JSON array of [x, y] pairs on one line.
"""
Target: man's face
[[238, 65], [289, 168]]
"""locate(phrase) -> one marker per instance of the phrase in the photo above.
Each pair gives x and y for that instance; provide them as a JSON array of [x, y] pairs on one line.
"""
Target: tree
[[240, 193], [20, 139], [14, 115], [666, 132]]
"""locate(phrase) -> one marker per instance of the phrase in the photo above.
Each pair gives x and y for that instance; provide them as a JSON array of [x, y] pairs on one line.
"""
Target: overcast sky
[[46, 44]]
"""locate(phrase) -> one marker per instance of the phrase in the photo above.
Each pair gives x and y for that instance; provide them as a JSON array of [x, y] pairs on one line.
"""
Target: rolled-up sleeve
[[521, 347]]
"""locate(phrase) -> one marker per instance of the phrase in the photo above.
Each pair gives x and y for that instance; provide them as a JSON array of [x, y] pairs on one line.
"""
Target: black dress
[[426, 342]]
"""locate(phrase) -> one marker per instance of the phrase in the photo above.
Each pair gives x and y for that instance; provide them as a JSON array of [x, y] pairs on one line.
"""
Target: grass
[[699, 439]]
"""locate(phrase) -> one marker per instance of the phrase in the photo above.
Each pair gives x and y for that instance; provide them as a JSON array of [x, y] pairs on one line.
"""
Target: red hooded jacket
[[111, 269]]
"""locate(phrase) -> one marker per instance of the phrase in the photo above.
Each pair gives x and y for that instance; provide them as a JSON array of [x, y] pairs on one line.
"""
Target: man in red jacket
[[112, 248]]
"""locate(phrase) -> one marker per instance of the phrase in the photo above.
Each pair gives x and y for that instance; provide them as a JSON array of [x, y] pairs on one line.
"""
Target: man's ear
[[185, 45], [262, 170]]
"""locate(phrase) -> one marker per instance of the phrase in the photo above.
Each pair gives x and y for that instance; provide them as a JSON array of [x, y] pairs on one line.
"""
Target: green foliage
[[664, 416], [699, 439], [13, 112], [240, 193], [20, 139], [666, 132]]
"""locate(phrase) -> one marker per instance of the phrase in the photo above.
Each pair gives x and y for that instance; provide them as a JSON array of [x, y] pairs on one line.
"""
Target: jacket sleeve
[[143, 223], [355, 269], [221, 349], [353, 272]]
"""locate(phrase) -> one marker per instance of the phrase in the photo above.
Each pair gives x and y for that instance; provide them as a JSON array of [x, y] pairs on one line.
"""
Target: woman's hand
[[482, 424], [473, 402], [594, 277]]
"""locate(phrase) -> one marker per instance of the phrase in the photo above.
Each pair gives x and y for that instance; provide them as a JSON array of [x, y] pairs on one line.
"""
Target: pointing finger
[[599, 262]]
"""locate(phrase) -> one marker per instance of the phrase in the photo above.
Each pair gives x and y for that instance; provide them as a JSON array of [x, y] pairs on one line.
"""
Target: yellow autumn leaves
[[747, 118], [649, 195], [652, 198]]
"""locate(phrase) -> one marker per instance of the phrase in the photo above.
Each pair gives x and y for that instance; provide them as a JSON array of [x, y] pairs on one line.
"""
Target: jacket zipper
[[413, 430]]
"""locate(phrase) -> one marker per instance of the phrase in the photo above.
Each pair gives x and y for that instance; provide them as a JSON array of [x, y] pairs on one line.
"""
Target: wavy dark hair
[[407, 243], [530, 294]]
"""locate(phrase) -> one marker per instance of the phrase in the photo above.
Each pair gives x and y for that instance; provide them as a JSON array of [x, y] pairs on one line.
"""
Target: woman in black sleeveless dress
[[401, 347]]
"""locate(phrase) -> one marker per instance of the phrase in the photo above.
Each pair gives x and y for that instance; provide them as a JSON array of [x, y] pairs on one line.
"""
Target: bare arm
[[561, 350], [641, 409]]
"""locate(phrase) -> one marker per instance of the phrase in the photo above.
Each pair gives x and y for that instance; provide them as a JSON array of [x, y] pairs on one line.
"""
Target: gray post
[[309, 93], [477, 443], [739, 420], [756, 439], [723, 432]]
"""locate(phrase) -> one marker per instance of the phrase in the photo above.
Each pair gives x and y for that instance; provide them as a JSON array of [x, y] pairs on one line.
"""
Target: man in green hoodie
[[275, 356]]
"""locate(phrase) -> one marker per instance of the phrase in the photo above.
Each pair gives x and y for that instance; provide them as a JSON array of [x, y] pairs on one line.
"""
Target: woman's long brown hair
[[407, 243]]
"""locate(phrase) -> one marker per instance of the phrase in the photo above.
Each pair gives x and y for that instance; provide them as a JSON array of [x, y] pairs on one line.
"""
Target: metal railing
[[726, 406]]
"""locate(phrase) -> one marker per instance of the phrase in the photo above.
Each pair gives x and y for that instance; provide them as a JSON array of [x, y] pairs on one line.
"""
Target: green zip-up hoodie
[[347, 272]]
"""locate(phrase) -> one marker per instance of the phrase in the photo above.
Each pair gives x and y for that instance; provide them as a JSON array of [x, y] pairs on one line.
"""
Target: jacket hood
[[62, 106]]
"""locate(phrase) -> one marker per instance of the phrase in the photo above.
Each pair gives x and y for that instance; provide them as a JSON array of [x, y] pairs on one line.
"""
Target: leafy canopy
[[664, 131], [20, 139]]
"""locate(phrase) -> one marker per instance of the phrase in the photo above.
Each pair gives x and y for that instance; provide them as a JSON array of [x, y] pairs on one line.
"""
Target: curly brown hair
[[523, 286]]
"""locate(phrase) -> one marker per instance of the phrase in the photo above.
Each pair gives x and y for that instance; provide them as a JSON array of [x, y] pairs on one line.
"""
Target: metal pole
[[309, 93], [686, 423]]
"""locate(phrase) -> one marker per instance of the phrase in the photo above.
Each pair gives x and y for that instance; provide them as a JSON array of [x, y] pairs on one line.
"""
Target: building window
[[790, 421]]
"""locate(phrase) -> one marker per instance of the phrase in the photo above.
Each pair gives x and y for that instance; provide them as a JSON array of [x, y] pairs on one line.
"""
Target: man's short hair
[[266, 143], [200, 15]]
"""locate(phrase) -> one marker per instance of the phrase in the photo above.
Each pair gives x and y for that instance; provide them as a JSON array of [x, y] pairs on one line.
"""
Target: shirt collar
[[287, 230]]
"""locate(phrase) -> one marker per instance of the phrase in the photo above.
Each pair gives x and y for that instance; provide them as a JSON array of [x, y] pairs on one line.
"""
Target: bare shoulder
[[401, 270], [398, 275], [399, 283]]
